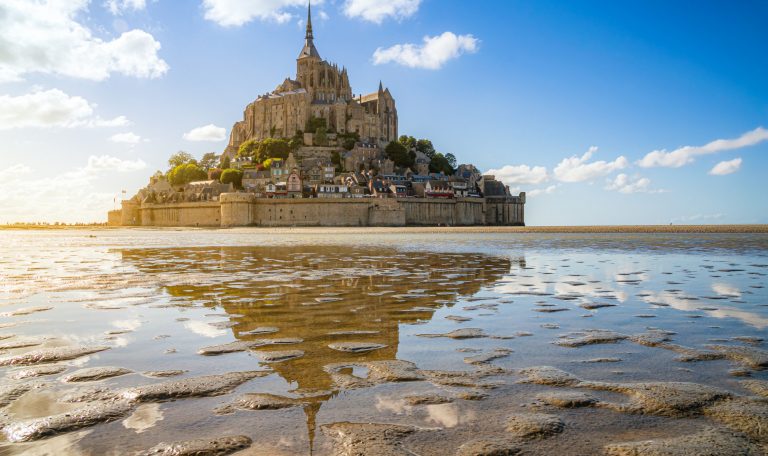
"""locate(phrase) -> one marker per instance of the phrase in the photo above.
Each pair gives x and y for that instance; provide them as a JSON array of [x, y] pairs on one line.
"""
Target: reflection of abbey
[[337, 160], [321, 90]]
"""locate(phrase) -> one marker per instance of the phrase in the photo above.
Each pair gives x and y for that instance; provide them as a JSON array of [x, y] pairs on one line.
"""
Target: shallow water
[[155, 298]]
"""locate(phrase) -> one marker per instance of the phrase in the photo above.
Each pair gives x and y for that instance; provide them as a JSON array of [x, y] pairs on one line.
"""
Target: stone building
[[320, 90]]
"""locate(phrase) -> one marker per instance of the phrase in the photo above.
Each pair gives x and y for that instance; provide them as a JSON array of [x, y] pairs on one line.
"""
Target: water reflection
[[143, 418], [319, 296]]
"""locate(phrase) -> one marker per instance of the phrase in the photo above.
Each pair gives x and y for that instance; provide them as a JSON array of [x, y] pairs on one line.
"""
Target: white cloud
[[379, 10], [234, 13], [698, 218], [102, 163], [576, 169], [687, 154], [119, 121], [541, 191], [726, 167], [50, 108], [431, 55], [14, 171], [44, 37], [208, 132], [126, 138], [117, 7], [635, 184], [520, 174], [69, 196], [204, 329], [724, 289]]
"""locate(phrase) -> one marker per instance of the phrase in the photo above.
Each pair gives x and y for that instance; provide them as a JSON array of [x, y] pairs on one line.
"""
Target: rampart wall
[[181, 214], [242, 209]]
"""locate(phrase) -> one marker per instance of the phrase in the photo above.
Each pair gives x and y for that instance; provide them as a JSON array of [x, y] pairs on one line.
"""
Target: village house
[[379, 189], [256, 180], [293, 184], [438, 189], [206, 190], [398, 190], [278, 190], [331, 191]]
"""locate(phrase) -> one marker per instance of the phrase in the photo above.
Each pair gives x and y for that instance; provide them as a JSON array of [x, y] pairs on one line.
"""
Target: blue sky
[[587, 106]]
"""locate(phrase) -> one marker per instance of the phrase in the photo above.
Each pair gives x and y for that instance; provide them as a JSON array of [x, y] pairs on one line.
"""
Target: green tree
[[348, 140], [225, 162], [440, 164], [408, 141], [399, 154], [451, 160], [336, 160], [215, 174], [425, 147], [233, 176], [272, 148], [316, 122], [186, 173], [209, 161], [321, 136], [180, 158], [248, 148]]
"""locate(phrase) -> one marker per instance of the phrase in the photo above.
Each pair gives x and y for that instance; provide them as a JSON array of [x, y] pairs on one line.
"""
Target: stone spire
[[309, 49], [309, 22]]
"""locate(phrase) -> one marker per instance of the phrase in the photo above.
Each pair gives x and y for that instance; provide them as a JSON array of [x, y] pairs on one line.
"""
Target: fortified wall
[[243, 209]]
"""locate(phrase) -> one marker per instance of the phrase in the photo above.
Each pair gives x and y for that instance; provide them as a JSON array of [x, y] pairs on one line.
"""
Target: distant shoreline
[[755, 228]]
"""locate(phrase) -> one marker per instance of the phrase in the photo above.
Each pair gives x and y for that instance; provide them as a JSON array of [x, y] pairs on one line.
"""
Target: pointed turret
[[309, 49], [381, 87], [309, 35]]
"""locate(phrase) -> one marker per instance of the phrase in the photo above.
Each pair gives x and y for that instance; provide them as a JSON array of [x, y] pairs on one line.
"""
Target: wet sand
[[748, 228], [252, 342]]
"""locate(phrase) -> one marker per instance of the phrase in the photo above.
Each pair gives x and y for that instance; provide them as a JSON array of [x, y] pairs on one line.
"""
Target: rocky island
[[313, 153]]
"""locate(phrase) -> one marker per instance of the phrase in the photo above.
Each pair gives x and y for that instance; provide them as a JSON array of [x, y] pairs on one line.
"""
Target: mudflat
[[429, 341]]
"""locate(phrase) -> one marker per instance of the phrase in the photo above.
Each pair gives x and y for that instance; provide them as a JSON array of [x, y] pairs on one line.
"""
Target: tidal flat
[[385, 341]]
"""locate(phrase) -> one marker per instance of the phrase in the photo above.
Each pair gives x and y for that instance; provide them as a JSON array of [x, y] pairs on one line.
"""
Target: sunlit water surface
[[157, 297]]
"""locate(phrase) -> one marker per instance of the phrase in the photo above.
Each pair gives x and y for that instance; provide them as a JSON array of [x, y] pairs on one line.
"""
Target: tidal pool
[[335, 342]]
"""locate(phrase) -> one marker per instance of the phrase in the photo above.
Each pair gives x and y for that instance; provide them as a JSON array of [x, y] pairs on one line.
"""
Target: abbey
[[321, 90]]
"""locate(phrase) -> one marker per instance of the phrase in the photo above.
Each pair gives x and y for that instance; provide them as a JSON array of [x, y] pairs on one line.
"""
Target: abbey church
[[320, 90]]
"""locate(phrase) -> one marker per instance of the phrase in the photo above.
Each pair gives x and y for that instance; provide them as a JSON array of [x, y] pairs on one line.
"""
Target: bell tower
[[308, 57]]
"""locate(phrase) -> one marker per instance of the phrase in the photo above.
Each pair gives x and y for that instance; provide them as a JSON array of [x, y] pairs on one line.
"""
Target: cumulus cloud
[[687, 154], [378, 10], [126, 138], [102, 163], [208, 132], [50, 108], [44, 37], [234, 13], [726, 167], [432, 54], [542, 191], [117, 7], [577, 169], [520, 174], [65, 196], [635, 184]]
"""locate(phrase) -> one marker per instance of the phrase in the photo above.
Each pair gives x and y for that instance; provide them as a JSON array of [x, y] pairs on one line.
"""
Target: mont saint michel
[[270, 228], [313, 153]]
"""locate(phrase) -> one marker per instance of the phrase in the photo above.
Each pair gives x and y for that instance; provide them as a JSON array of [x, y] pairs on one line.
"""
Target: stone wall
[[243, 209], [318, 212], [181, 214], [114, 218], [451, 212]]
